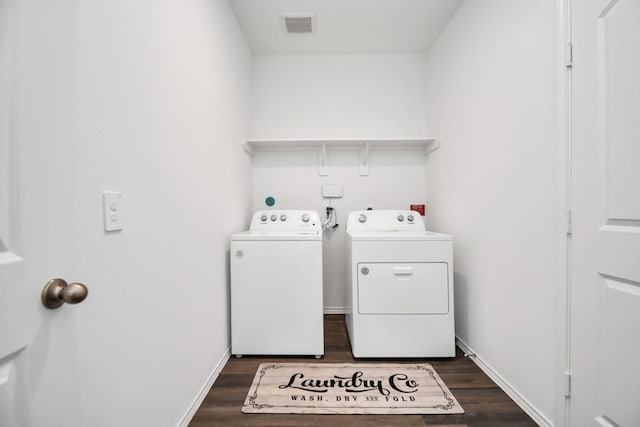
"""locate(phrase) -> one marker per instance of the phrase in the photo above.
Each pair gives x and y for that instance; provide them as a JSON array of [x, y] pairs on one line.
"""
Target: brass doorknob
[[57, 292]]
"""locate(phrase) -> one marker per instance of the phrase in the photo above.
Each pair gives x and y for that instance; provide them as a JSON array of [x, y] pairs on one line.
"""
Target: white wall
[[161, 103], [492, 102], [340, 96]]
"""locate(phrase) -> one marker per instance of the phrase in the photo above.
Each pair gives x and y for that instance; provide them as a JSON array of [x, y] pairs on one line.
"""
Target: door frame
[[563, 209]]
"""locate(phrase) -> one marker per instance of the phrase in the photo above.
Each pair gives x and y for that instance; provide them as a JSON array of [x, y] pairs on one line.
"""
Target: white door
[[605, 290], [37, 345]]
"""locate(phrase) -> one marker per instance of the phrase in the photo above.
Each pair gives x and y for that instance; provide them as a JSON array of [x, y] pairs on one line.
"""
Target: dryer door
[[403, 288]]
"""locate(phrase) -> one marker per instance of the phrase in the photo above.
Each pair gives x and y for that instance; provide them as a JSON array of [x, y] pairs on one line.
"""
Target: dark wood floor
[[485, 404]]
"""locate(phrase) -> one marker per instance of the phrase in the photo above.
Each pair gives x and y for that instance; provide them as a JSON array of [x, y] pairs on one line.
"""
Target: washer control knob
[[283, 217], [263, 218], [410, 218], [362, 218], [400, 218], [305, 217], [274, 217]]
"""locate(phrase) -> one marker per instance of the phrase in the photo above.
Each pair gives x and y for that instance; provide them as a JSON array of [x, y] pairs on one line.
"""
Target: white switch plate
[[112, 205], [332, 190]]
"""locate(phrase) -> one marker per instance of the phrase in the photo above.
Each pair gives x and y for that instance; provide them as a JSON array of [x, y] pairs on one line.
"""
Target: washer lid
[[397, 235], [277, 235]]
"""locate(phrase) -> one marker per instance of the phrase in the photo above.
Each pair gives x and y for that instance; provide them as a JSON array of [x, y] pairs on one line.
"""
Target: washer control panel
[[285, 220], [384, 220]]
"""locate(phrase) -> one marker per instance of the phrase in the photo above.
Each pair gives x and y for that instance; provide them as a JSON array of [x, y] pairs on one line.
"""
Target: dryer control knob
[[410, 218], [400, 218], [273, 217], [305, 218], [283, 217], [362, 218], [263, 218]]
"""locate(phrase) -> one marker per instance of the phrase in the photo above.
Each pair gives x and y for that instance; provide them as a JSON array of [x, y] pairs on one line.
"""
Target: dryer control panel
[[285, 220], [385, 220]]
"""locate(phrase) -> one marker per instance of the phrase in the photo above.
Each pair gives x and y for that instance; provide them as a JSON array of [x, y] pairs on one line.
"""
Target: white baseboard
[[520, 400], [205, 389], [335, 310]]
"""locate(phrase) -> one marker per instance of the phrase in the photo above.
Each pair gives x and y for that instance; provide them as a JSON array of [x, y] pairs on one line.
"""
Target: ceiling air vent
[[298, 23]]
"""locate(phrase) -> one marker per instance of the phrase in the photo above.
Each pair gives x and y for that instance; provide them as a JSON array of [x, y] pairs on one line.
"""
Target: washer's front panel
[[403, 288], [276, 297]]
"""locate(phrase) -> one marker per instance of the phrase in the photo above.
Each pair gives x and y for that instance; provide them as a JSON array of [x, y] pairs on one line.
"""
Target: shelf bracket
[[431, 146], [364, 160], [247, 147], [322, 160]]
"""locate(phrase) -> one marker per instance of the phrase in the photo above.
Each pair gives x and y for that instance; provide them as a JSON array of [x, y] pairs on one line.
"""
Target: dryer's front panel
[[403, 288]]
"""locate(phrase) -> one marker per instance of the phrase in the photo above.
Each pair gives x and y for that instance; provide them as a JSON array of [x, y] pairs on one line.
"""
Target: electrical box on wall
[[332, 190]]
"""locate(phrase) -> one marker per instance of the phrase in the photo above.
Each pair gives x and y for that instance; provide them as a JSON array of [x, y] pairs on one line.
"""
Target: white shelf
[[255, 145], [322, 145]]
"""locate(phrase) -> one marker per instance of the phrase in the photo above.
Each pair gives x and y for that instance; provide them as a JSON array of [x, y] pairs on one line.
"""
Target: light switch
[[112, 204]]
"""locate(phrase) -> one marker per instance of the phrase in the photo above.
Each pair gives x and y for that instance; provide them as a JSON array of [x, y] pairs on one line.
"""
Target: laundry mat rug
[[348, 388]]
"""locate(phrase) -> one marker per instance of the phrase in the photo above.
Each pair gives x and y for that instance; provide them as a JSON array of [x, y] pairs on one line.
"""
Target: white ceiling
[[345, 26]]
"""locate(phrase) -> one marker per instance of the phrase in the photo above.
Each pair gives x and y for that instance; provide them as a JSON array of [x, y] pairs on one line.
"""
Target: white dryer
[[276, 285], [399, 285]]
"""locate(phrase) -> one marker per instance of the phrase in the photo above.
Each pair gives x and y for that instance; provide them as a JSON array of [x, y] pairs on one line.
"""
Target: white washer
[[400, 286], [276, 285]]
